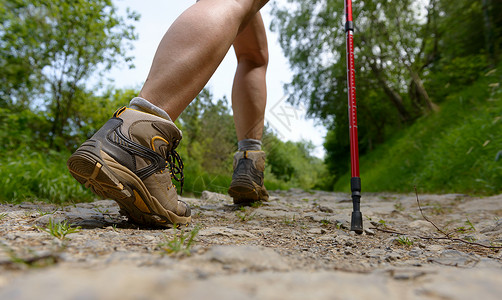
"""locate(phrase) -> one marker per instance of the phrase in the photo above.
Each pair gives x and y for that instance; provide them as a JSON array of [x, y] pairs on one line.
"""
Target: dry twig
[[447, 236]]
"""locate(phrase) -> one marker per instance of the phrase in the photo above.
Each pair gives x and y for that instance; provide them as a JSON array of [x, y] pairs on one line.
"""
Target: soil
[[296, 246]]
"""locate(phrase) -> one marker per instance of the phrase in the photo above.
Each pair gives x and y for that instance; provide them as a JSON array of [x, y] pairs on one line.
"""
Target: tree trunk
[[422, 92], [394, 96], [489, 36]]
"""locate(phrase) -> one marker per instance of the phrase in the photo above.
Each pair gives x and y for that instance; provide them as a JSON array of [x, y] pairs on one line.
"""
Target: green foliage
[[457, 72], [29, 170], [33, 170], [209, 143], [59, 229], [455, 150], [43, 213], [383, 223], [409, 56], [49, 48], [93, 112], [244, 216], [47, 51], [387, 42], [292, 162], [288, 221], [404, 240], [210, 138], [180, 243], [470, 227], [325, 222]]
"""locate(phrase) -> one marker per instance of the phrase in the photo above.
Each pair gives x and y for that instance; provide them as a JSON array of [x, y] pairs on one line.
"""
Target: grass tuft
[[180, 243], [59, 229]]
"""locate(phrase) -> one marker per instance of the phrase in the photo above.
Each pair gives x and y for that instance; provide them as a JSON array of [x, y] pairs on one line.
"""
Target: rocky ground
[[296, 246]]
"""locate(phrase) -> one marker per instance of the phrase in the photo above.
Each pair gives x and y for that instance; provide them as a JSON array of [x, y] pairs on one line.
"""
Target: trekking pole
[[356, 223]]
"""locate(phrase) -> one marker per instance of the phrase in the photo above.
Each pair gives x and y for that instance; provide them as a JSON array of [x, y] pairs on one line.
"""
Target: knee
[[255, 57]]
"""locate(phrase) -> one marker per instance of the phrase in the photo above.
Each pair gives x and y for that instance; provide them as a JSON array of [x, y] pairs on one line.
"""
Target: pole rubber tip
[[356, 224]]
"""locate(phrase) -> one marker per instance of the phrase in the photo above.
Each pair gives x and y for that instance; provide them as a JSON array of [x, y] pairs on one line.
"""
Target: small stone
[[391, 241], [56, 217], [213, 197], [455, 258], [369, 231], [393, 256], [11, 236], [407, 274], [421, 225], [252, 257], [316, 231], [149, 238], [225, 231], [415, 252], [325, 209], [375, 253], [343, 240], [326, 238], [434, 248], [496, 227], [90, 223]]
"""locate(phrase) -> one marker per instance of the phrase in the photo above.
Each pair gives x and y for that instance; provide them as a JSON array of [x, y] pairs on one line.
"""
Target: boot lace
[[176, 167]]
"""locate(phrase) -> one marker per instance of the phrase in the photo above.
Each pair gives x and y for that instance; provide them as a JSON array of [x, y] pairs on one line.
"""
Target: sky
[[287, 121]]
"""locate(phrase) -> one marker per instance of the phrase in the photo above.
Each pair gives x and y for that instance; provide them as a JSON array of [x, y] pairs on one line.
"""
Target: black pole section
[[356, 222]]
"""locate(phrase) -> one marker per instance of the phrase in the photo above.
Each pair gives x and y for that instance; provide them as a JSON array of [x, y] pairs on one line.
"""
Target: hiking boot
[[247, 181], [131, 160]]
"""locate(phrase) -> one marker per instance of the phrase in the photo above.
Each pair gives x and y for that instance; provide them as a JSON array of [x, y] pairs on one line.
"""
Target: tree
[[209, 133], [51, 47], [410, 55], [468, 38]]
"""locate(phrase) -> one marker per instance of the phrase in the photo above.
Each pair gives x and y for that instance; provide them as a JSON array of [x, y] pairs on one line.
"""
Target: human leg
[[249, 92], [249, 96], [192, 49], [131, 159]]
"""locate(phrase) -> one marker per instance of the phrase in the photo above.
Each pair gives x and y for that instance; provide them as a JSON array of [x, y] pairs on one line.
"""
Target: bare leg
[[249, 92], [192, 49]]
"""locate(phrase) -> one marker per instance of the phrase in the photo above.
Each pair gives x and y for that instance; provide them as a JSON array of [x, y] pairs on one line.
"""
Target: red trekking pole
[[356, 223]]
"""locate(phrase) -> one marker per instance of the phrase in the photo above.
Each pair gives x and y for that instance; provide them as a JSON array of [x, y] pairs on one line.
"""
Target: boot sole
[[245, 193], [107, 178]]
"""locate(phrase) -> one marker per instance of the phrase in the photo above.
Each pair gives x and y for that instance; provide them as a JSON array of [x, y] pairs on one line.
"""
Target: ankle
[[249, 145], [144, 105]]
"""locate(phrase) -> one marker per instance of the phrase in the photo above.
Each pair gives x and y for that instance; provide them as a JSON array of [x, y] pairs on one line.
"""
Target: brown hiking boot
[[131, 160], [247, 181]]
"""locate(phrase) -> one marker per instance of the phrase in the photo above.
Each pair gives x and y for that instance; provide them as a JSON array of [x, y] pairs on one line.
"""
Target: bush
[[42, 176]]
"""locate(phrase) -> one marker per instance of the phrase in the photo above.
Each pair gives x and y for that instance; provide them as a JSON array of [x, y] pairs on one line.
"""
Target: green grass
[[197, 180], [28, 175], [59, 229], [180, 243], [404, 241], [31, 175], [458, 149]]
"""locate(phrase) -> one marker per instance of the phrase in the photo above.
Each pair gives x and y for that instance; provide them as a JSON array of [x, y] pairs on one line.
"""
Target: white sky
[[156, 17]]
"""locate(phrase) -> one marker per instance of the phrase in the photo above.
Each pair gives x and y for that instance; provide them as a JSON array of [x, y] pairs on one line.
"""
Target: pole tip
[[356, 223]]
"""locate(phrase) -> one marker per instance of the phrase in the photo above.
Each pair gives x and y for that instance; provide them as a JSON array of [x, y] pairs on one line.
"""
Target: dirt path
[[295, 246]]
